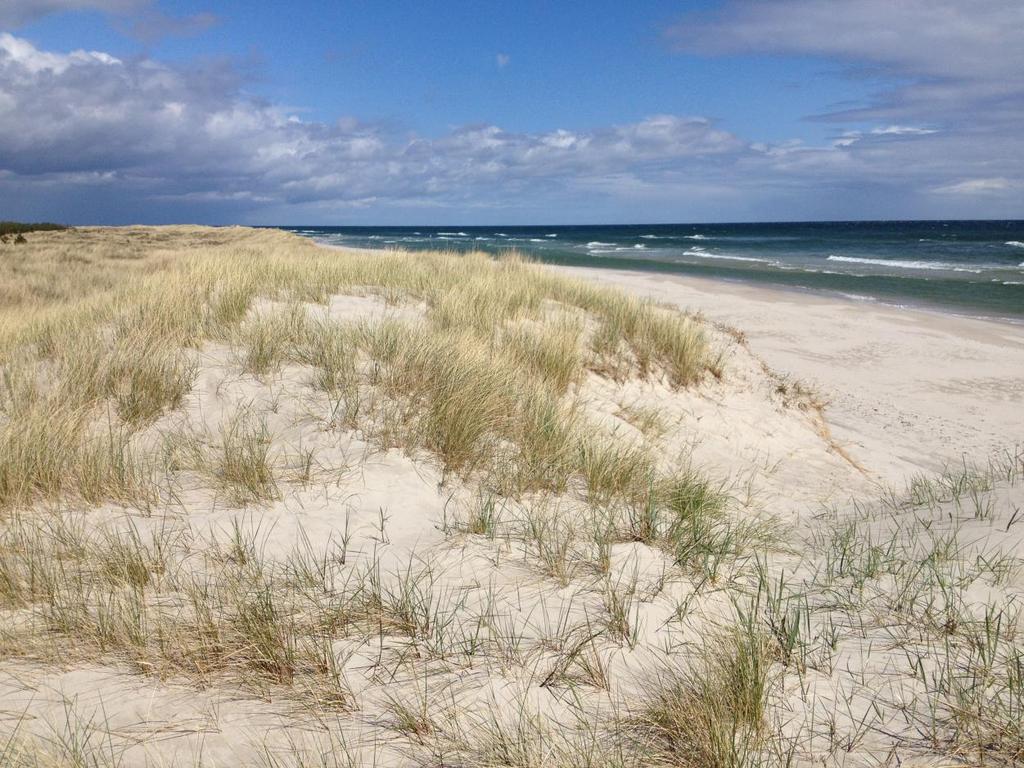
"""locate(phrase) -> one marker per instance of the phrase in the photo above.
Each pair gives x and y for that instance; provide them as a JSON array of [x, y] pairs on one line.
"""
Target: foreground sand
[[317, 576], [907, 390]]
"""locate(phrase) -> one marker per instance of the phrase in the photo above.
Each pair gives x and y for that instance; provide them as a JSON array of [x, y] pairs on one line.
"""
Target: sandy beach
[[268, 503], [907, 390]]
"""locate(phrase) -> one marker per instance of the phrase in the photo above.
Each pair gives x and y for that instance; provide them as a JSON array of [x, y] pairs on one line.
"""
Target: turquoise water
[[972, 267]]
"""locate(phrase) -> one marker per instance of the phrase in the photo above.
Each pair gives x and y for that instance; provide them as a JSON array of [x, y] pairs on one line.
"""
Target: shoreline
[[836, 295], [825, 295], [907, 389], [760, 285]]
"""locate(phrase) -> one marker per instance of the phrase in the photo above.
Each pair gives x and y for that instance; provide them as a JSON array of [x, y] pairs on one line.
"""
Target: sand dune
[[907, 389], [337, 508]]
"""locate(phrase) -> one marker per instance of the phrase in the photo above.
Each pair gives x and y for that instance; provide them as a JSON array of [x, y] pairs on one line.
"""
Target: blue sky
[[431, 66], [484, 112]]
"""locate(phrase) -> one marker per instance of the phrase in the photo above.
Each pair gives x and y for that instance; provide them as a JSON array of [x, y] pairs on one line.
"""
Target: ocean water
[[969, 267]]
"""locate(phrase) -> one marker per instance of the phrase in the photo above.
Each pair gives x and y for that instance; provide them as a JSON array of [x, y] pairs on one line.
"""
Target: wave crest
[[904, 264]]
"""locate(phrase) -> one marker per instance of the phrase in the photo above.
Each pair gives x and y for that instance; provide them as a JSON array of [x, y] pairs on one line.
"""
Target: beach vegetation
[[431, 508]]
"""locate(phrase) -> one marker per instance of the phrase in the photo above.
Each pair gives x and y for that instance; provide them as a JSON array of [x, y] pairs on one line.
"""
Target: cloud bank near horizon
[[92, 137]]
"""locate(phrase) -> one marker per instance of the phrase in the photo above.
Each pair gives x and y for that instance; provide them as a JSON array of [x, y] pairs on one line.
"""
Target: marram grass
[[484, 382]]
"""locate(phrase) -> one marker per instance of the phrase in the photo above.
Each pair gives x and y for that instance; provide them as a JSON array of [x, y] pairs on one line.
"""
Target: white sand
[[907, 389]]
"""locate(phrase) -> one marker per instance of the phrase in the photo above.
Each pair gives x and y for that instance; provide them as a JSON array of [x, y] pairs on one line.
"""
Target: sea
[[965, 267]]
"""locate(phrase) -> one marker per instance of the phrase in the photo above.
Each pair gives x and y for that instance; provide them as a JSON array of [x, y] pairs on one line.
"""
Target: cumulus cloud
[[88, 136], [89, 117]]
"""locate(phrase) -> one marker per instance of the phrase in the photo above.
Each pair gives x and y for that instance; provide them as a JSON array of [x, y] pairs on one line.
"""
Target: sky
[[457, 112]]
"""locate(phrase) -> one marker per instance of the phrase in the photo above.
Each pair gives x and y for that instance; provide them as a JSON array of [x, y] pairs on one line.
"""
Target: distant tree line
[[19, 227], [14, 231]]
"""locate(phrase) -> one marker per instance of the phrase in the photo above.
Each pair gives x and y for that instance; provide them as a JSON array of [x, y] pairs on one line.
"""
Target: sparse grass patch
[[645, 418]]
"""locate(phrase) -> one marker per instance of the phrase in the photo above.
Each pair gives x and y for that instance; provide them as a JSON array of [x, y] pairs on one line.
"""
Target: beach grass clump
[[270, 338], [332, 349], [237, 459], [146, 377], [241, 460], [545, 435], [553, 352], [467, 396], [49, 452], [613, 469], [712, 715], [976, 689], [473, 404]]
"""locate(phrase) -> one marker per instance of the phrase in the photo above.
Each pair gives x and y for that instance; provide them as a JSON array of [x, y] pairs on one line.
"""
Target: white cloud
[[976, 187], [25, 56], [190, 134], [943, 59], [933, 38], [902, 130], [86, 136], [502, 60]]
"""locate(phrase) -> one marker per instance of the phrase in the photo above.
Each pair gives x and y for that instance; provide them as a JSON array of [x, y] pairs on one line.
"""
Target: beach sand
[[907, 390], [417, 619]]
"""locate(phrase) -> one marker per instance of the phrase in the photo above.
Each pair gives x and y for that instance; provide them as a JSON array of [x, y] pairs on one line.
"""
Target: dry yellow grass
[[573, 546], [92, 353]]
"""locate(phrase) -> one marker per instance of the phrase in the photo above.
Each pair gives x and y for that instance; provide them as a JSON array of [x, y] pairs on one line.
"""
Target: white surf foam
[[1014, 243], [696, 237], [903, 264], [453, 234], [701, 253], [599, 244]]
